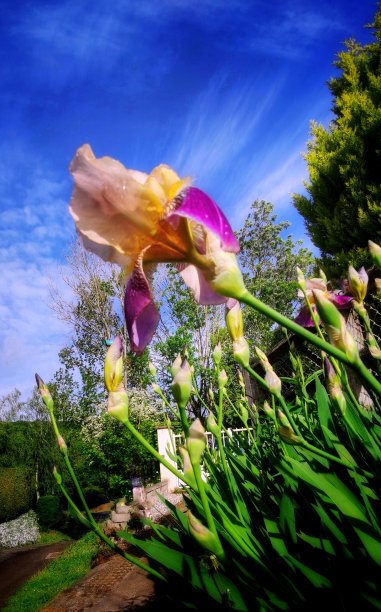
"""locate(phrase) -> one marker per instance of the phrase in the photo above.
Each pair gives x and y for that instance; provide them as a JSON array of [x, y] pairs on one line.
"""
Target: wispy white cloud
[[219, 126], [30, 334]]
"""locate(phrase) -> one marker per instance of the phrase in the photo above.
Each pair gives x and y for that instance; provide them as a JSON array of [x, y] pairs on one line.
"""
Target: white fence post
[[166, 440]]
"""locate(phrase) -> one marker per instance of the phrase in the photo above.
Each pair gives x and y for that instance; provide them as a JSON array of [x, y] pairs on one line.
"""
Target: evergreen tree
[[342, 208]]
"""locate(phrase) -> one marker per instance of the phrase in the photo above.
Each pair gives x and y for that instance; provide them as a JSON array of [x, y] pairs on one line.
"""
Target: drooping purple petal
[[199, 207], [197, 283], [142, 316], [342, 302], [304, 318]]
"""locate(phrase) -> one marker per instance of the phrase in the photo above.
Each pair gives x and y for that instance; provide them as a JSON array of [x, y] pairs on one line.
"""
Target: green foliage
[[49, 511], [17, 492], [60, 574], [269, 261], [342, 205], [30, 445]]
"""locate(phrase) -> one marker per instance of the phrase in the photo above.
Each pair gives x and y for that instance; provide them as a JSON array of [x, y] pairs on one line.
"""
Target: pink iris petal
[[342, 302], [197, 283], [141, 314], [304, 318], [200, 208]]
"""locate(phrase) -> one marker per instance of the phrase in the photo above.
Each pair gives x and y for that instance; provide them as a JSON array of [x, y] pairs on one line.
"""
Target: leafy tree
[[268, 262], [342, 207]]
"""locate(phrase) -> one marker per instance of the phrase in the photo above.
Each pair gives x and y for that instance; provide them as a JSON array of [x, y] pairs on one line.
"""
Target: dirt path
[[113, 586], [17, 565]]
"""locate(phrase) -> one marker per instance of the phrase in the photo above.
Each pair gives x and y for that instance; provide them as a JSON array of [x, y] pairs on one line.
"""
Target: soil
[[17, 565]]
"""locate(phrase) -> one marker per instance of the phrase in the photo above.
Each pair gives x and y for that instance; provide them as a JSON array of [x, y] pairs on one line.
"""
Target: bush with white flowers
[[20, 531]]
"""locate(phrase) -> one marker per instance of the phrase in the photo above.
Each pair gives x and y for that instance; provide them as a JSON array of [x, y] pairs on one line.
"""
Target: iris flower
[[137, 220], [342, 302]]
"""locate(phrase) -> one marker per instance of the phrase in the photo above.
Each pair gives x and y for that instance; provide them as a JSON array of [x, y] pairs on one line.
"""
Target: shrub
[[16, 493], [95, 496], [49, 511]]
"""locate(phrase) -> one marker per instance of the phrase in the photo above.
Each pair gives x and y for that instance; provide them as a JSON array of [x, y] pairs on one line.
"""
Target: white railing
[[168, 443]]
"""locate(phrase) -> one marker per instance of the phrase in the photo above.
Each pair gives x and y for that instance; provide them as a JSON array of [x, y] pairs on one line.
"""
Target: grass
[[60, 574], [52, 536]]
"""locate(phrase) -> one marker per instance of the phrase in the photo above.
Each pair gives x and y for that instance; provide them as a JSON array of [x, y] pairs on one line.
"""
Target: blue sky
[[222, 91]]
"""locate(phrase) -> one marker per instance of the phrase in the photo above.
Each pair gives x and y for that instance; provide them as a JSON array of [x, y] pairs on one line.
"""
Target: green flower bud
[[273, 382], [335, 326], [288, 435], [182, 384], [268, 410], [358, 283], [196, 441], [62, 445], [266, 365], [244, 413], [222, 379], [156, 388], [57, 476], [217, 354], [301, 280], [113, 370], [117, 406], [211, 425], [45, 393], [375, 253], [152, 369], [204, 536], [175, 367], [187, 466], [241, 352], [323, 276], [233, 319]]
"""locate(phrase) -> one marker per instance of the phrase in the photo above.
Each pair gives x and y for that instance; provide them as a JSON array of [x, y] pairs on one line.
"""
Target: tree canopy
[[342, 208]]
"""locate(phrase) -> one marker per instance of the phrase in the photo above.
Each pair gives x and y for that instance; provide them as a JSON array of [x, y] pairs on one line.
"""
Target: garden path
[[19, 564]]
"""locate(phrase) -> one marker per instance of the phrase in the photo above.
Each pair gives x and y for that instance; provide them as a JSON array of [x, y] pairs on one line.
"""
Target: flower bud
[[374, 349], [273, 382], [241, 352], [45, 393], [241, 381], [113, 370], [323, 276], [233, 319], [57, 476], [288, 435], [217, 354], [377, 282], [262, 359], [117, 406], [269, 411], [175, 367], [335, 326], [375, 253], [182, 384], [301, 280], [222, 379], [244, 413], [152, 369], [225, 277], [62, 445], [211, 393], [196, 441], [211, 425], [156, 388], [187, 466], [358, 283], [204, 536]]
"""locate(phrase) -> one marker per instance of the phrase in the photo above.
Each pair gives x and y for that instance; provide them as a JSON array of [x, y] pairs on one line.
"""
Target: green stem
[[156, 454], [269, 312], [278, 396], [94, 527], [204, 500], [71, 471]]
